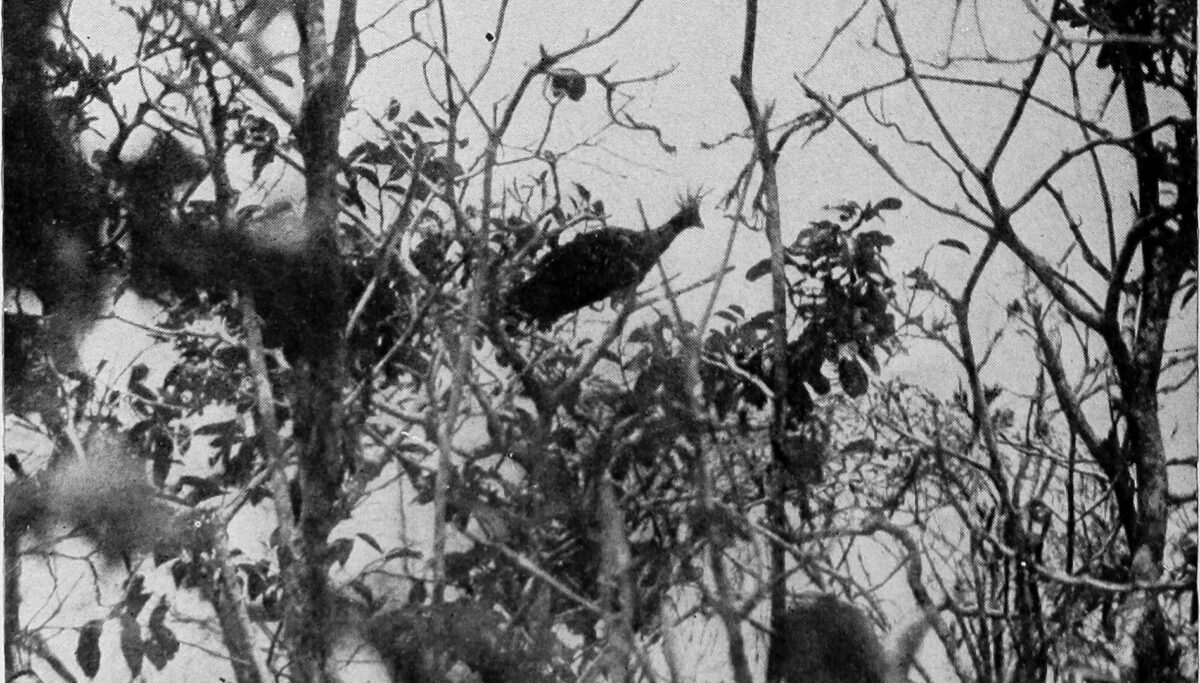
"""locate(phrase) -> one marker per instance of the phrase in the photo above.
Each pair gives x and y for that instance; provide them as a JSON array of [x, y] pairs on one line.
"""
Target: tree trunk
[[320, 427], [12, 599], [777, 493], [617, 594], [1165, 257], [233, 616]]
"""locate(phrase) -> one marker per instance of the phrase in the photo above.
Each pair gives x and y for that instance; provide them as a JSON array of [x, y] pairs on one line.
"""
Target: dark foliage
[[423, 644], [593, 266], [52, 202], [294, 283], [838, 283], [568, 82], [56, 206], [1157, 59]]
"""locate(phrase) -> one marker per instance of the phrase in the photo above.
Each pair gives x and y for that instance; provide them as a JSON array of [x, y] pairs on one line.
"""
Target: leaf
[[846, 211], [442, 168], [864, 445], [921, 279], [418, 119], [370, 540], [955, 244], [339, 550], [583, 193], [396, 553], [262, 158], [156, 654], [368, 175], [161, 647], [158, 615], [818, 381], [214, 428], [135, 596], [853, 378], [873, 239], [166, 638], [255, 583], [889, 204], [282, 77], [131, 644], [393, 110], [179, 572], [758, 270], [726, 315], [640, 336], [760, 321], [868, 355], [87, 650]]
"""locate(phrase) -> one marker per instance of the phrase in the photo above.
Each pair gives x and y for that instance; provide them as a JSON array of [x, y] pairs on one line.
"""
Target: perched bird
[[595, 265]]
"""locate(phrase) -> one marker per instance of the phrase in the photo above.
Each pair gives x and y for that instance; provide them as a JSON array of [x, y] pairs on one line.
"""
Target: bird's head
[[688, 215]]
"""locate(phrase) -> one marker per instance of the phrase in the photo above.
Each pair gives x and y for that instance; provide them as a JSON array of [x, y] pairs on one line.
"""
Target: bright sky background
[[695, 103]]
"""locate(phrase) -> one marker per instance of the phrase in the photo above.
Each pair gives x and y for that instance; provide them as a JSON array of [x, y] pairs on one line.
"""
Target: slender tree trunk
[[320, 426], [233, 616], [1029, 634], [1163, 265], [12, 599], [777, 490], [616, 585], [732, 621]]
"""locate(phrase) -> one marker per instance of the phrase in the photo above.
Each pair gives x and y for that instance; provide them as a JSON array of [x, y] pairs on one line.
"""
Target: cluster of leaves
[[158, 644], [567, 82], [257, 136], [426, 643], [634, 429], [26, 356], [90, 79], [388, 168], [385, 330], [635, 419], [840, 290], [1158, 21]]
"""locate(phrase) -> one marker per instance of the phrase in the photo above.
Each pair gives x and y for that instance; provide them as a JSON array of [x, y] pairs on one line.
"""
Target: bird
[[595, 265]]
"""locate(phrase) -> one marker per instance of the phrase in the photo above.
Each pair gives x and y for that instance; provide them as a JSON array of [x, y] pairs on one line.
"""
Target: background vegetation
[[949, 393]]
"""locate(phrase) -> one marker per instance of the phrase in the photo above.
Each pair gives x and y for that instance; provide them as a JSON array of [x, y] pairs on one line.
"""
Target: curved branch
[[1070, 155]]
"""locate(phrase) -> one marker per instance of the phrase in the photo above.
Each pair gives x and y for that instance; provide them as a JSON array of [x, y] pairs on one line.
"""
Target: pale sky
[[695, 103]]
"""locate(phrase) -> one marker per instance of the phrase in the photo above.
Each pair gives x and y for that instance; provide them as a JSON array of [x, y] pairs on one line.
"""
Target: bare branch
[[1070, 155], [873, 150], [911, 72]]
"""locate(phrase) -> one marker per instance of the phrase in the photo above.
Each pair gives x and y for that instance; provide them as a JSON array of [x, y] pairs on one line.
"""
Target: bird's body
[[593, 266]]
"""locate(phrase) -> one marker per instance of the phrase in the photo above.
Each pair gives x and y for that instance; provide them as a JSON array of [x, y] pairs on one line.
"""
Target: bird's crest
[[688, 215]]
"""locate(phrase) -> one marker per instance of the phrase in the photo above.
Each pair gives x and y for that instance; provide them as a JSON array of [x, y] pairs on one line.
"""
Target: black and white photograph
[[642, 341]]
